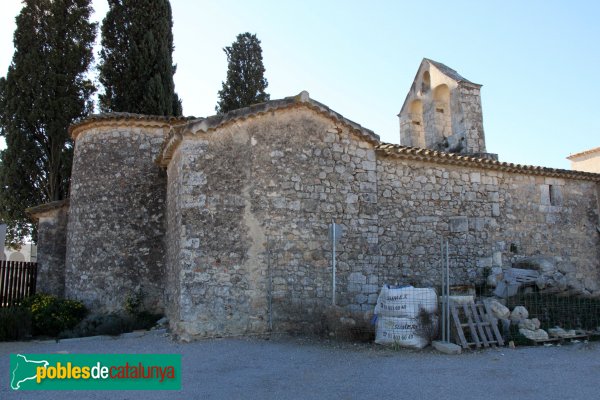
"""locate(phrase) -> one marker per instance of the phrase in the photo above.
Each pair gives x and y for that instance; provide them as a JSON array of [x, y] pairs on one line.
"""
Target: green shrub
[[98, 324], [134, 303], [15, 323], [134, 318], [111, 324], [51, 315]]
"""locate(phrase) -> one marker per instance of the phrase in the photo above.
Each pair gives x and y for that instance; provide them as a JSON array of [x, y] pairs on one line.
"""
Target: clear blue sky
[[537, 61]]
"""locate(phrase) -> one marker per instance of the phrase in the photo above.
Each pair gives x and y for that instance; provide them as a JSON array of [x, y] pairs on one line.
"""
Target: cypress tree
[[136, 64], [245, 84], [45, 90]]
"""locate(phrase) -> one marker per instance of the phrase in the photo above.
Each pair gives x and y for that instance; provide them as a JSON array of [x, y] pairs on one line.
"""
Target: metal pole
[[448, 289], [333, 261], [443, 290], [270, 277]]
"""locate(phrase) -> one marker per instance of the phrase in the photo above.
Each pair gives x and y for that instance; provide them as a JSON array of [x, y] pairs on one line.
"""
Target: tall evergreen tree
[[45, 89], [245, 84], [136, 62]]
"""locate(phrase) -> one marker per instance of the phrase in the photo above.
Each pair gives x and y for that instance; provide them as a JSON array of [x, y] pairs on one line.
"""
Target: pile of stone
[[530, 328], [549, 274]]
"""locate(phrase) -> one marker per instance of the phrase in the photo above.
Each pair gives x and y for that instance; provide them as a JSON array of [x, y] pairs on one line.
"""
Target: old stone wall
[[175, 236], [310, 171], [51, 250], [215, 244], [250, 203], [255, 202], [116, 225], [490, 218]]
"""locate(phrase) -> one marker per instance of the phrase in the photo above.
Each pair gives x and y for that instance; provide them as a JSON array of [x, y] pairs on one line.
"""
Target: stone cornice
[[438, 157], [124, 119], [38, 211], [204, 125]]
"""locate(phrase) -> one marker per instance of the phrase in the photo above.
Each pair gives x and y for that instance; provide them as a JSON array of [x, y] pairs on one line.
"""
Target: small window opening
[[426, 85], [416, 122], [555, 195], [440, 110]]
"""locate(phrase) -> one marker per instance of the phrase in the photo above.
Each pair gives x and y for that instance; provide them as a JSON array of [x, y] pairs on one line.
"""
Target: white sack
[[405, 302], [402, 331]]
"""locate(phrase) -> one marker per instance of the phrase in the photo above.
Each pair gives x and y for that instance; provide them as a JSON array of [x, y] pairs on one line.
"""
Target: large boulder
[[499, 310], [561, 280], [495, 276], [544, 264], [555, 275], [518, 314]]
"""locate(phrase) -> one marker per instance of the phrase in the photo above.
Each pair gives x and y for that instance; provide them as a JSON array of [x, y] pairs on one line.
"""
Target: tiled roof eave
[[438, 157]]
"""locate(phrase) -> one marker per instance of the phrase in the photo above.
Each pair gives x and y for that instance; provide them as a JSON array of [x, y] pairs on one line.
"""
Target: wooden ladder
[[478, 323]]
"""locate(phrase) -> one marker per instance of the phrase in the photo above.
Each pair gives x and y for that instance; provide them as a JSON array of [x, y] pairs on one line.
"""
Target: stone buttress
[[115, 248]]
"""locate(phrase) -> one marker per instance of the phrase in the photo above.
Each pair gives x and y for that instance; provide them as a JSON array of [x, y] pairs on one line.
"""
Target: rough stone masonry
[[222, 222]]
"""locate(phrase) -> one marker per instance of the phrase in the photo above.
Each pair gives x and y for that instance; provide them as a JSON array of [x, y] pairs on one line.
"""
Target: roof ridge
[[446, 70], [216, 121]]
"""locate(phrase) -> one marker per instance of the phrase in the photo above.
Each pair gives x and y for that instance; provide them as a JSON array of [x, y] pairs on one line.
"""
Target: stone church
[[222, 223]]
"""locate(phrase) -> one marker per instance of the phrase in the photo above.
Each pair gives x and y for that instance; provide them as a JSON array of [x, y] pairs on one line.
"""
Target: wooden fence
[[17, 281]]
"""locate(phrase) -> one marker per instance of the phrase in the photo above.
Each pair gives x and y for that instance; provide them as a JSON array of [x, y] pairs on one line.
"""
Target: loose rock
[[561, 333], [530, 324], [519, 313], [543, 264], [495, 277], [499, 310], [538, 334]]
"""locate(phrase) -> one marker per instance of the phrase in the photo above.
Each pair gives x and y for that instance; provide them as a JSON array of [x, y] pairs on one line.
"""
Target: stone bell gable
[[442, 111]]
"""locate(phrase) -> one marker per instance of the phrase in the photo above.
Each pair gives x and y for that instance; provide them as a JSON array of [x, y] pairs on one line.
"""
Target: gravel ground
[[286, 367]]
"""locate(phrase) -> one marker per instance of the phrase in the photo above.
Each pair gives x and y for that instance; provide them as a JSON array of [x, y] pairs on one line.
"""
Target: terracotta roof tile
[[415, 153]]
